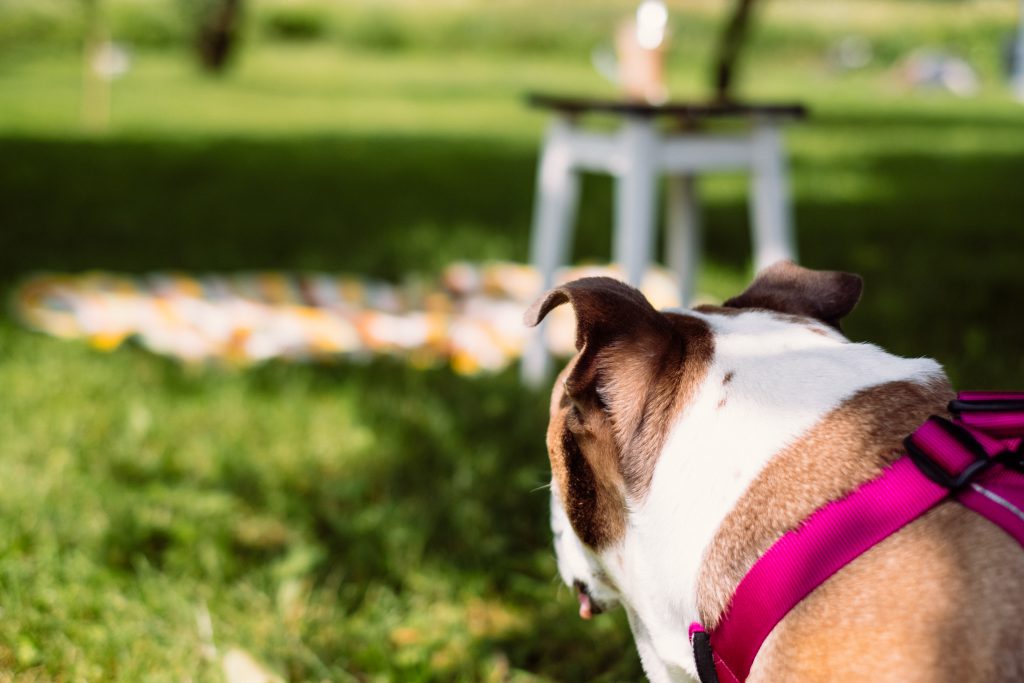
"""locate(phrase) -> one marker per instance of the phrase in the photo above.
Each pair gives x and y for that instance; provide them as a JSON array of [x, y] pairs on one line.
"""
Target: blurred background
[[377, 517]]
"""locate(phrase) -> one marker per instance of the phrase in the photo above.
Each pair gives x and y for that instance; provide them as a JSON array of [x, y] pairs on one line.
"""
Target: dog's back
[[941, 600]]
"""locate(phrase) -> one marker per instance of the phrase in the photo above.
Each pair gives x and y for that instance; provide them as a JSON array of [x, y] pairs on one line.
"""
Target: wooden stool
[[637, 154]]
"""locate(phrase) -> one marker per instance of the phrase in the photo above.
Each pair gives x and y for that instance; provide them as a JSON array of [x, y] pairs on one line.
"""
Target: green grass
[[343, 523], [369, 521]]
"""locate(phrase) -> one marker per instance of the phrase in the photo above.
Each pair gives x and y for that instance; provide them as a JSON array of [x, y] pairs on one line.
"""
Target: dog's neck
[[770, 383]]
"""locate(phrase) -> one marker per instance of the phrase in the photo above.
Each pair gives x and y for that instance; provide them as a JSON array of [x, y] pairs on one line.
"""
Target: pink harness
[[976, 459]]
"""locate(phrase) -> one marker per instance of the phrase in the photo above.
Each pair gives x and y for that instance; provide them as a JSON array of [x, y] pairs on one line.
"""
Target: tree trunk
[[730, 42], [218, 34]]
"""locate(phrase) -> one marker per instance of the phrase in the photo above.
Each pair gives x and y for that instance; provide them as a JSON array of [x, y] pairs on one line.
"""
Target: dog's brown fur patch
[[711, 309], [935, 603], [584, 465], [849, 447]]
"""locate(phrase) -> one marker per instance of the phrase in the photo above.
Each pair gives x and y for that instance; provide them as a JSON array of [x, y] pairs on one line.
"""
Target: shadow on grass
[[376, 206]]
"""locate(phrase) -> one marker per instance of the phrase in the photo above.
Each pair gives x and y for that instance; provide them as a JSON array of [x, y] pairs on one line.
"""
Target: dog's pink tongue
[[585, 611]]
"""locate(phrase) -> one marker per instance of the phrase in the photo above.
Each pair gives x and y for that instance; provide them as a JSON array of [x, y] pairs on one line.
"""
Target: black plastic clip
[[1000, 405], [936, 472]]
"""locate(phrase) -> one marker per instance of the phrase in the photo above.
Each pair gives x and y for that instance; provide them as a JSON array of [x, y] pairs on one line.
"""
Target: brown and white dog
[[683, 444]]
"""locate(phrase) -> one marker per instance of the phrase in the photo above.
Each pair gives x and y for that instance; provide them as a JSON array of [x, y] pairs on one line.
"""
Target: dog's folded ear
[[613, 321], [616, 328], [788, 288], [606, 309]]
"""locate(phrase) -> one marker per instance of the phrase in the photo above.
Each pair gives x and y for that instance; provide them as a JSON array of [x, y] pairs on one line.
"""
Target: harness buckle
[[1011, 402], [937, 473]]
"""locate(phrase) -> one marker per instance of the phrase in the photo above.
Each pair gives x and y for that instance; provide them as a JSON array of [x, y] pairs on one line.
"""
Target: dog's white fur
[[786, 376]]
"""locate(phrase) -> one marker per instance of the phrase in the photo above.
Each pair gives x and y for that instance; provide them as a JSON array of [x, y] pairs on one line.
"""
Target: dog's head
[[613, 406]]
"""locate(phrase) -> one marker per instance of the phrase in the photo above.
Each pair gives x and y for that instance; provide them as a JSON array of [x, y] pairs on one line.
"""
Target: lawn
[[371, 521]]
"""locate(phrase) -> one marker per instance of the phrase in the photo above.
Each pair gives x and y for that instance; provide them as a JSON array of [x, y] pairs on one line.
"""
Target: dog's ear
[[788, 288], [614, 324]]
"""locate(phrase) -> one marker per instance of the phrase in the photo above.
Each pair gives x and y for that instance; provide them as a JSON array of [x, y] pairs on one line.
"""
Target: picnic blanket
[[470, 316]]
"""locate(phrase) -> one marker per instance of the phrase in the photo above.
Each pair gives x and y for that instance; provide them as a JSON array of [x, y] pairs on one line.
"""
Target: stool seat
[[637, 154], [689, 111]]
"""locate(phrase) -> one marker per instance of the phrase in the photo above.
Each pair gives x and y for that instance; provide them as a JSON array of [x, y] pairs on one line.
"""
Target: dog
[[683, 444]]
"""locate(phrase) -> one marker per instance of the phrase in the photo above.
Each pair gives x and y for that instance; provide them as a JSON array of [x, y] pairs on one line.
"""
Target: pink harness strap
[[976, 459], [996, 413]]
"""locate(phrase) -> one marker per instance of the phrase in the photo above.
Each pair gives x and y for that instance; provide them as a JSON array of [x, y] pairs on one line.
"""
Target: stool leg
[[771, 222], [682, 247], [554, 214], [635, 190]]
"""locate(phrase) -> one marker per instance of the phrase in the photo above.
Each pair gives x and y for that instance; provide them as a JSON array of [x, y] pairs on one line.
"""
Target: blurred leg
[[1017, 76], [771, 222], [554, 214], [635, 192], [682, 246]]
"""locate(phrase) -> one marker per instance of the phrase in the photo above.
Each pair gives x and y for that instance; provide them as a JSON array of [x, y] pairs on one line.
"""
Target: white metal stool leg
[[682, 245], [635, 193], [553, 217], [770, 218], [1017, 77]]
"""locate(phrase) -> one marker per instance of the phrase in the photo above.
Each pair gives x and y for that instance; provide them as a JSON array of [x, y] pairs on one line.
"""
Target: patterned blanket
[[470, 317]]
